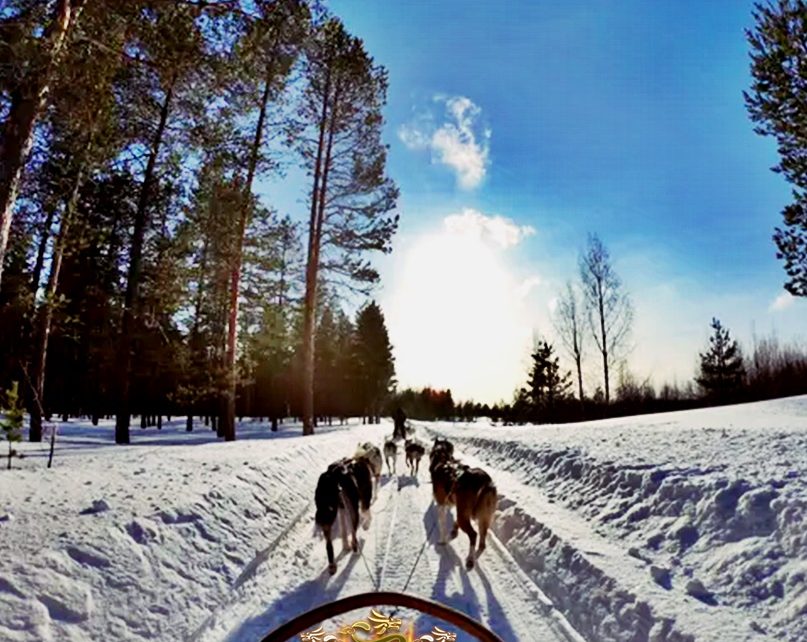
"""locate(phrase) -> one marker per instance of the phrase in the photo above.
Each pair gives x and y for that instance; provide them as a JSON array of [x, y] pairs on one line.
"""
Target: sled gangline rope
[[417, 559]]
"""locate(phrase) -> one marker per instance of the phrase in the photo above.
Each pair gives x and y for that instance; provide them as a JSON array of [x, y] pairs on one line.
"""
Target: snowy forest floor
[[679, 526]]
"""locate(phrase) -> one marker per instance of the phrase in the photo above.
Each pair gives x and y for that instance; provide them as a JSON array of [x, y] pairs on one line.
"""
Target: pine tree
[[28, 82], [722, 369], [777, 103], [15, 299], [350, 197], [85, 306], [547, 385], [11, 415], [267, 54], [83, 138], [375, 365]]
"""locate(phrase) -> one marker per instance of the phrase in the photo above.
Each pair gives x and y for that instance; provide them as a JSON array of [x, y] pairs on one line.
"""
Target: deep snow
[[669, 527], [712, 502]]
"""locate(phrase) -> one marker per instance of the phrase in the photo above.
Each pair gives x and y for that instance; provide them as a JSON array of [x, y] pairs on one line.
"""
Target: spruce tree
[[326, 383], [547, 385], [722, 370], [375, 365], [347, 403]]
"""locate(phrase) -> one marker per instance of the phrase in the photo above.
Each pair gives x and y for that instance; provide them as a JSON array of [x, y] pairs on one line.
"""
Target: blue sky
[[563, 118]]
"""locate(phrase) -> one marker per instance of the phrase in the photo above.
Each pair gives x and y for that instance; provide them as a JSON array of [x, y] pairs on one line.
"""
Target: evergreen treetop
[[722, 369]]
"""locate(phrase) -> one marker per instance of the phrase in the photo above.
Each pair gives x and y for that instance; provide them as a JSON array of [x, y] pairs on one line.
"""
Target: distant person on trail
[[399, 418]]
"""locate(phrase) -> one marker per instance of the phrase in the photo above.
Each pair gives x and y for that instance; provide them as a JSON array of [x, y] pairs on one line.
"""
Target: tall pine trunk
[[320, 219], [45, 313], [228, 428], [133, 281], [28, 326], [311, 268], [42, 247], [26, 105]]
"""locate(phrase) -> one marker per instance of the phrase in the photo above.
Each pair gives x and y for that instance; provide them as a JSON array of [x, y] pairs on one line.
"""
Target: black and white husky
[[345, 491]]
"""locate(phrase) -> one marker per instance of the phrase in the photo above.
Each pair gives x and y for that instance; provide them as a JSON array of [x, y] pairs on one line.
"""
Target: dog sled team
[[346, 490]]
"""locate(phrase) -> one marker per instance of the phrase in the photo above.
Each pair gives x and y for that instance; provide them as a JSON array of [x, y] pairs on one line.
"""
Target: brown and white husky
[[373, 455], [471, 490]]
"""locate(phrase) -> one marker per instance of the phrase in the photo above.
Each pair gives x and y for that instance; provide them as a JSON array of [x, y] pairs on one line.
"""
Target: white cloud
[[502, 232], [782, 302], [528, 285], [459, 142]]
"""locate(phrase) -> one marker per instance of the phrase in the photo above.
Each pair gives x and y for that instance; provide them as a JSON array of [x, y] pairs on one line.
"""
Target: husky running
[[471, 490], [373, 455], [391, 454], [414, 451], [344, 490]]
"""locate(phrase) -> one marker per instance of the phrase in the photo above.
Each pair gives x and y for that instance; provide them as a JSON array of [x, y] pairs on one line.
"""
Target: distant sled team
[[346, 490]]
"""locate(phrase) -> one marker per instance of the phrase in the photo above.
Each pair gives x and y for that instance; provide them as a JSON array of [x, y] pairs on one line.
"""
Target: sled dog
[[471, 490], [391, 453], [476, 498], [414, 451], [442, 451], [373, 455], [443, 471], [345, 491]]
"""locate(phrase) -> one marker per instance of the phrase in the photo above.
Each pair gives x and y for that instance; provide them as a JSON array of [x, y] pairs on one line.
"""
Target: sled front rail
[[362, 600]]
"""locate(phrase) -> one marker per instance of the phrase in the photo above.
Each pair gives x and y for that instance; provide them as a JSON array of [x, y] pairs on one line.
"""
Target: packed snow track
[[684, 527], [399, 551]]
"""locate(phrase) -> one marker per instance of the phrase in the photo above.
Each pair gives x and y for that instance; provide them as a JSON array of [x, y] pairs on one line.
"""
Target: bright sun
[[456, 317]]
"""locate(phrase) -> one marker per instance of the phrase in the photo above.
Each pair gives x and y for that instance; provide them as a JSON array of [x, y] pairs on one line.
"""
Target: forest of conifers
[[144, 267]]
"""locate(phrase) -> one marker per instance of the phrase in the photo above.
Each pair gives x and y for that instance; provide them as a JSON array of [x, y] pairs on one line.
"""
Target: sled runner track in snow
[[555, 618], [401, 549], [251, 568], [603, 591]]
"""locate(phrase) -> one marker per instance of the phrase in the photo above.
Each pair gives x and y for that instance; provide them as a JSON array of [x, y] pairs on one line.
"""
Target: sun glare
[[456, 318]]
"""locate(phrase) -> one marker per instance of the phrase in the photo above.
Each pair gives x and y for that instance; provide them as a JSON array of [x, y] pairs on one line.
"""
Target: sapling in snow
[[11, 420]]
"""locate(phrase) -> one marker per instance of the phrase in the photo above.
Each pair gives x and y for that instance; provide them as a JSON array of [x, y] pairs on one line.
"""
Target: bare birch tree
[[609, 311], [570, 325]]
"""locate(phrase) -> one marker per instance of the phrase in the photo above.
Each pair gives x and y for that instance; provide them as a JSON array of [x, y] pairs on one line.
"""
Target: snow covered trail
[[399, 552], [681, 527]]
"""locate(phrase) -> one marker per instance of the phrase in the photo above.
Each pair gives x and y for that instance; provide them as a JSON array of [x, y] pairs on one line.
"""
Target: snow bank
[[665, 528], [144, 541], [712, 502]]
